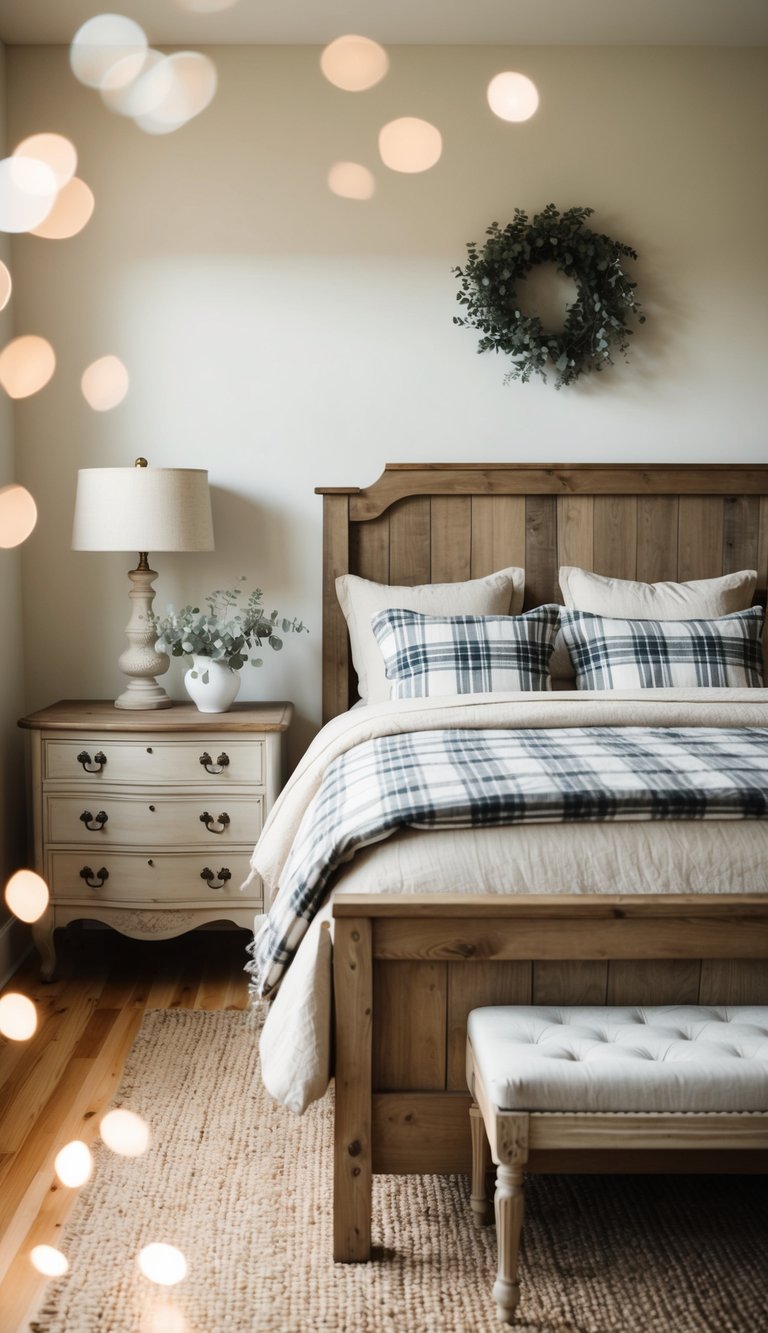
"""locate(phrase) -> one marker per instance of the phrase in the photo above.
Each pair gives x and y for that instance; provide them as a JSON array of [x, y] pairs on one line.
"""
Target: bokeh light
[[354, 63], [57, 152], [163, 1264], [126, 90], [100, 42], [512, 96], [180, 87], [26, 893], [26, 365], [125, 1132], [74, 1164], [18, 1016], [410, 144], [104, 383], [18, 515], [350, 180], [49, 1261], [163, 1316], [6, 285], [70, 213], [205, 6], [27, 193]]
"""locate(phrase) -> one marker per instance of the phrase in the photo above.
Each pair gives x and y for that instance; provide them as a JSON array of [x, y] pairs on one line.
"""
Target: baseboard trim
[[15, 944]]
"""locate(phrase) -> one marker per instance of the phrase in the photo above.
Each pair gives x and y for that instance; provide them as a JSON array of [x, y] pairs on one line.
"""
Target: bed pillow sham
[[426, 656], [603, 596], [616, 654], [360, 599], [701, 598]]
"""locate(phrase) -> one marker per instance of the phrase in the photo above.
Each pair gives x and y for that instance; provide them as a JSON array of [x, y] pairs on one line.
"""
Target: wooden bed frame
[[407, 970]]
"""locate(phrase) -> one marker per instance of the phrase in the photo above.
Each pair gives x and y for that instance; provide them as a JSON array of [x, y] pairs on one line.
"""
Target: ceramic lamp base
[[141, 661]]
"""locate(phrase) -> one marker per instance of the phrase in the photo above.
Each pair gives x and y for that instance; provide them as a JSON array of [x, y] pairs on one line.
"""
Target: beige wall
[[284, 338], [12, 838]]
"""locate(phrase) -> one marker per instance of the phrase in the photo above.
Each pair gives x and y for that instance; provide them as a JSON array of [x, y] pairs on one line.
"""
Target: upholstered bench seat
[[665, 1058], [543, 1077]]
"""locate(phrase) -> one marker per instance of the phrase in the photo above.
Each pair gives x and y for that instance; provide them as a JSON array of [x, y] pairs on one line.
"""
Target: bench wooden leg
[[509, 1203], [481, 1161]]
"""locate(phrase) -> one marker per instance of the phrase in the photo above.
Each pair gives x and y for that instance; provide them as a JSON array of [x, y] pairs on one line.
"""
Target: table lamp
[[142, 509]]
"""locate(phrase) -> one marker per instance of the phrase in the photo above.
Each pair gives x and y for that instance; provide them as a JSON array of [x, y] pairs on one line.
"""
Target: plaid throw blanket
[[464, 778]]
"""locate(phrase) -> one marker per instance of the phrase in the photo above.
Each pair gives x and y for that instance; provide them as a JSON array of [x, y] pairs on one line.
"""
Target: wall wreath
[[596, 323]]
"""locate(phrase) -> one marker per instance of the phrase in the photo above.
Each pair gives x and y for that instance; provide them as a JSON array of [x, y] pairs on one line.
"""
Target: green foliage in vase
[[228, 631], [594, 325]]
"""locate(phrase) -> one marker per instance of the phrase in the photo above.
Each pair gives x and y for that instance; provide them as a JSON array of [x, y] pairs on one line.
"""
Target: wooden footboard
[[408, 969]]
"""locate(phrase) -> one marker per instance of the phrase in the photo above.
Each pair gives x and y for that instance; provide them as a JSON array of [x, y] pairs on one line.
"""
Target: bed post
[[353, 997], [336, 670]]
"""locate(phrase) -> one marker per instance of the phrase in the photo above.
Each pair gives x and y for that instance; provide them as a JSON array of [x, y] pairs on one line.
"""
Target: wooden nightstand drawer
[[152, 821], [149, 762], [160, 880]]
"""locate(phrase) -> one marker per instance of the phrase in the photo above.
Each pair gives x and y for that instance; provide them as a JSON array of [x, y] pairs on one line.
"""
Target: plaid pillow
[[609, 654], [430, 655]]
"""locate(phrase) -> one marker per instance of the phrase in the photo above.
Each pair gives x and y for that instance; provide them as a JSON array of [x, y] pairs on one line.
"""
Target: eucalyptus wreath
[[596, 323]]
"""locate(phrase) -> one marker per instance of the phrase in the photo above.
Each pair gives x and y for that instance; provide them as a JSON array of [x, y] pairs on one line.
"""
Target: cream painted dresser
[[146, 821]]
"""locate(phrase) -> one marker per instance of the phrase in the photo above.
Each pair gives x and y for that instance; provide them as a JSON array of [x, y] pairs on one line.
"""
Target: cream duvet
[[719, 850]]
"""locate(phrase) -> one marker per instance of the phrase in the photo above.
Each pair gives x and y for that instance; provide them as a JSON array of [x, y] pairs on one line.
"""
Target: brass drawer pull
[[208, 765], [209, 877], [209, 821], [99, 877], [99, 820], [99, 759]]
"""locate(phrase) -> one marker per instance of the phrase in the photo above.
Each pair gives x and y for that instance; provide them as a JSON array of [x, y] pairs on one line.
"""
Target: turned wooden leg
[[42, 936], [481, 1158], [509, 1222]]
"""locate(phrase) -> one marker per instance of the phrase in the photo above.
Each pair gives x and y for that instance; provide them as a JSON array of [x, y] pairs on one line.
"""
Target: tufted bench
[[543, 1077]]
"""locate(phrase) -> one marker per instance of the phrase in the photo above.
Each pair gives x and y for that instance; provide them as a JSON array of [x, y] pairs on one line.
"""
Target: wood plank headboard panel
[[433, 523]]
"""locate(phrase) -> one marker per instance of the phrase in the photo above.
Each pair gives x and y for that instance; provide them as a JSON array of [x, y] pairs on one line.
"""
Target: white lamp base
[[143, 694], [141, 661]]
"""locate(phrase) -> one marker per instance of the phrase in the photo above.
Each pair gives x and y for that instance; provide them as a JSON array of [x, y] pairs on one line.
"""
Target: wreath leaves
[[596, 323]]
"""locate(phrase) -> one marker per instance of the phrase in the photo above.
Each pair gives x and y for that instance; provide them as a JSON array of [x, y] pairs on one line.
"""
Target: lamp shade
[[142, 509]]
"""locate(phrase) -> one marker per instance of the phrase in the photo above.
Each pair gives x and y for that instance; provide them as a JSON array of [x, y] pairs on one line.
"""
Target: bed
[[408, 966]]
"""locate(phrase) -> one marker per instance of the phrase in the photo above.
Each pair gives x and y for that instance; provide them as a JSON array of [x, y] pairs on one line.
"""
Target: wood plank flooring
[[54, 1087]]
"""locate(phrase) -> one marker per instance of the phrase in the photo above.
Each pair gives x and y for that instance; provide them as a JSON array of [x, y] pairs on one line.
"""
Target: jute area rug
[[243, 1188]]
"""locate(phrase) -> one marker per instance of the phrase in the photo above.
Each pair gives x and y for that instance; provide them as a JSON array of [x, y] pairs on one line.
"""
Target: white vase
[[212, 686]]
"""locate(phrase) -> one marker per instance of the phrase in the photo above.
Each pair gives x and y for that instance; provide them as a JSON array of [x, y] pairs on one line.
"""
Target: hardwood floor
[[54, 1087]]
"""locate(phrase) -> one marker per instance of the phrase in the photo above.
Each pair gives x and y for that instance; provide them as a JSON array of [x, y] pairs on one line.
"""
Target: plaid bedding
[[468, 778], [612, 654]]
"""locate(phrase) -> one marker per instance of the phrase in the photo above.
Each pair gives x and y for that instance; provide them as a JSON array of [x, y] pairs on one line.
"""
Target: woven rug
[[243, 1188]]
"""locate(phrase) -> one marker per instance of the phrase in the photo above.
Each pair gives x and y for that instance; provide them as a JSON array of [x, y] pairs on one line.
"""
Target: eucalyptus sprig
[[596, 323], [227, 631]]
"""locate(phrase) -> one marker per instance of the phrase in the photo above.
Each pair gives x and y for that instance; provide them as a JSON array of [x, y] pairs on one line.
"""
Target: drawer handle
[[209, 821], [94, 881], [99, 820], [208, 765], [209, 877], [99, 759]]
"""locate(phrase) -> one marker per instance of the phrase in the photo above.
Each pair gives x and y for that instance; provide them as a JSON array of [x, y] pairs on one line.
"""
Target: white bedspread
[[628, 857]]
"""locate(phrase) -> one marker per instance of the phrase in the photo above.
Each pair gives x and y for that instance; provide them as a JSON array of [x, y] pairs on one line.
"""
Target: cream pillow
[[599, 595], [701, 599], [498, 594]]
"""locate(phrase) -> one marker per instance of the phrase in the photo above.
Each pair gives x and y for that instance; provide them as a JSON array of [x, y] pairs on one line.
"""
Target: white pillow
[[360, 600], [701, 599], [599, 595]]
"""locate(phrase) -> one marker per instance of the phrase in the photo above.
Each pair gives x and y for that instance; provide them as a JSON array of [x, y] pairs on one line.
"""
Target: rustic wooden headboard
[[434, 522]]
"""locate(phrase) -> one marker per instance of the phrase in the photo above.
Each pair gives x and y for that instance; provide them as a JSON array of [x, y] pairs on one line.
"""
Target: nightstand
[[146, 820]]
